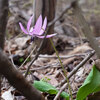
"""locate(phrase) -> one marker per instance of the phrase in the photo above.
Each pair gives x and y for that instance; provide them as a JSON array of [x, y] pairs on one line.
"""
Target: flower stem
[[65, 74]]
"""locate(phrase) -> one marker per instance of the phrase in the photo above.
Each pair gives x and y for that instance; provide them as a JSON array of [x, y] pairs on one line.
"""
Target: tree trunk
[[46, 8], [3, 22]]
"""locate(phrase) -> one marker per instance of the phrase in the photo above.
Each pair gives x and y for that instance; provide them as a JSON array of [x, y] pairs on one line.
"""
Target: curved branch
[[16, 79], [3, 20]]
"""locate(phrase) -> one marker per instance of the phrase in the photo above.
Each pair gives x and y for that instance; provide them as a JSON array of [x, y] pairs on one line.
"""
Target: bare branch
[[16, 79], [60, 16], [61, 57], [3, 20]]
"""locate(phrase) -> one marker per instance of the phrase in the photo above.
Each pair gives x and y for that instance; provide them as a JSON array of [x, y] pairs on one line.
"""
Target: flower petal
[[43, 27], [29, 23], [38, 25], [31, 32], [22, 28], [31, 29], [48, 36]]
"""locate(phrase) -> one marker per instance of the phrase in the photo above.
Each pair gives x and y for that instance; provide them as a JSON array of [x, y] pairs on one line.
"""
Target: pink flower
[[38, 29]]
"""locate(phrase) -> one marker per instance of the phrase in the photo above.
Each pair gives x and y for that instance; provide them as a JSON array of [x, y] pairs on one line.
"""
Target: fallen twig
[[27, 57], [62, 57]]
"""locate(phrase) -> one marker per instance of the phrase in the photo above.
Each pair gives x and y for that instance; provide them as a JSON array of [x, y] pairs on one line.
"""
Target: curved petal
[[48, 36], [22, 28], [38, 25], [31, 29], [43, 27], [29, 23], [31, 32]]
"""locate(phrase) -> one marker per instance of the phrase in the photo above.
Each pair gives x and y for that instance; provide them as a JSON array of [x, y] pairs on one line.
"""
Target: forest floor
[[70, 43]]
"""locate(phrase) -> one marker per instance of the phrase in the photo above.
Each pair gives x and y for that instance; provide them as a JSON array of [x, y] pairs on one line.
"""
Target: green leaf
[[46, 87], [65, 95], [21, 59], [91, 84]]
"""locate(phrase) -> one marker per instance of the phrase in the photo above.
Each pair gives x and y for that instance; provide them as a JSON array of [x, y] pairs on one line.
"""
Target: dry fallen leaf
[[7, 95]]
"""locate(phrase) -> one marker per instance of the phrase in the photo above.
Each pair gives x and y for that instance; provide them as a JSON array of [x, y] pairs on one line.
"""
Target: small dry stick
[[61, 57], [60, 91], [28, 57], [10, 54], [61, 15], [42, 68], [35, 58]]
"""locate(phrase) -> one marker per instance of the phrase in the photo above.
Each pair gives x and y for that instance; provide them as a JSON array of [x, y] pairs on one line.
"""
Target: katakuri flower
[[38, 30]]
